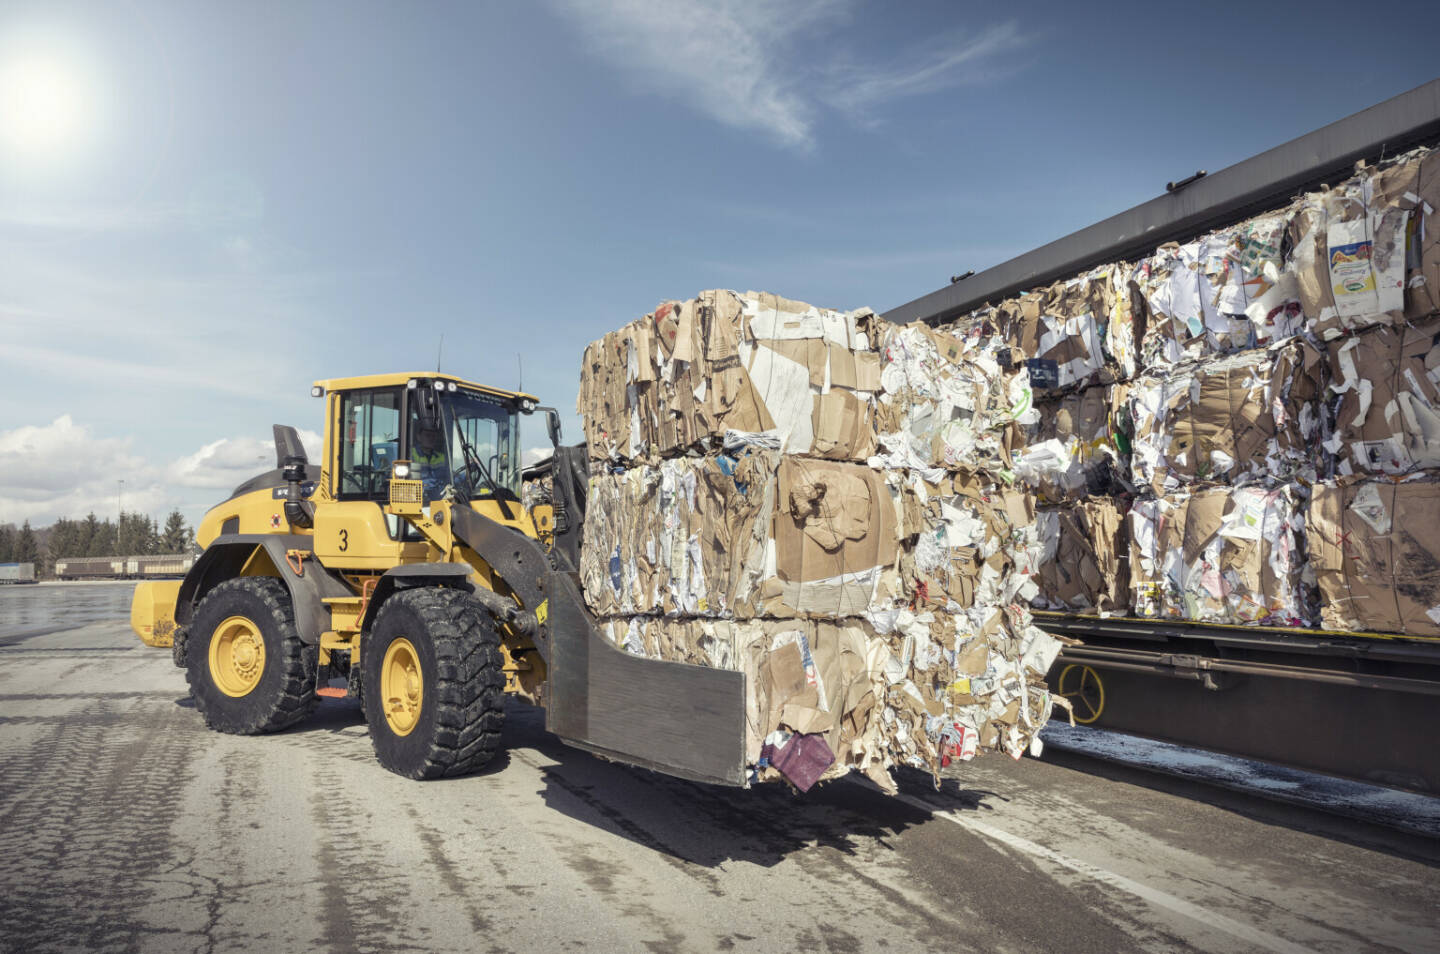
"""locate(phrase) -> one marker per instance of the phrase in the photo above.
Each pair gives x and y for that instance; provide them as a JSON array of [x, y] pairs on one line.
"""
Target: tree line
[[133, 534]]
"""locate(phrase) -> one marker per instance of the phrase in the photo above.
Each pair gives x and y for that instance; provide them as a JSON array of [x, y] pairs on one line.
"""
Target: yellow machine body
[[404, 562], [152, 611]]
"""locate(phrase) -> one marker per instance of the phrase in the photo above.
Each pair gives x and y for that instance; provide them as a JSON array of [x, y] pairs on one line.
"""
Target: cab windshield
[[476, 451]]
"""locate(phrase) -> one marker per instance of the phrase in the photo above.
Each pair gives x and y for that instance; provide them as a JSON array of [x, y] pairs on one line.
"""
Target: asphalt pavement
[[126, 826]]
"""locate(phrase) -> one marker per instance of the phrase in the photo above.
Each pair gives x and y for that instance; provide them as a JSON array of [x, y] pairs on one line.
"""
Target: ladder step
[[332, 692]]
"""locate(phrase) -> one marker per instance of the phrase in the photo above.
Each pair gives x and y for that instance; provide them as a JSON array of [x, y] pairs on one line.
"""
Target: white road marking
[[1195, 912]]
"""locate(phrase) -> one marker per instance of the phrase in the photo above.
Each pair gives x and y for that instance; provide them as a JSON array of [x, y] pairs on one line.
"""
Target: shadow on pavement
[[709, 825]]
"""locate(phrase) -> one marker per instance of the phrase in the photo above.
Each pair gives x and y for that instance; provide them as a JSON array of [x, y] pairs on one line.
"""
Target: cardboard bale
[[1351, 245], [970, 544], [1084, 560], [1251, 417], [946, 401], [1221, 555], [913, 695], [758, 534], [1229, 290], [1060, 331], [879, 609], [757, 367], [1068, 452], [1375, 550], [1385, 399]]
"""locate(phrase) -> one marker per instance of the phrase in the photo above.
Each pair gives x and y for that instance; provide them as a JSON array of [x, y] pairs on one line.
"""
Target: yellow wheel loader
[[403, 571]]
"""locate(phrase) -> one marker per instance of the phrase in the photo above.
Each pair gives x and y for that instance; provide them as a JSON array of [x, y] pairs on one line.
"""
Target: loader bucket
[[672, 717], [683, 720]]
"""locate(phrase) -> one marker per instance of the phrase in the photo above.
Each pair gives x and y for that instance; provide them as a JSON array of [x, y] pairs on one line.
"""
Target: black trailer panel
[[1357, 705]]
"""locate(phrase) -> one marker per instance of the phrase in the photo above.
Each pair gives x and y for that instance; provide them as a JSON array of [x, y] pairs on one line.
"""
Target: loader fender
[[265, 554], [407, 575]]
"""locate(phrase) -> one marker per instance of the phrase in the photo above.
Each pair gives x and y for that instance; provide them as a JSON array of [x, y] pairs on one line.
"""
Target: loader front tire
[[248, 669], [434, 683]]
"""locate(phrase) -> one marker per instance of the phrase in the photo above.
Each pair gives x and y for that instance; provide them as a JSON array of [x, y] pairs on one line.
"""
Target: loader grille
[[407, 491]]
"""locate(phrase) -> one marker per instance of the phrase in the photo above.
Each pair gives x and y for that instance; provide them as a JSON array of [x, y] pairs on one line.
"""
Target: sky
[[207, 206]]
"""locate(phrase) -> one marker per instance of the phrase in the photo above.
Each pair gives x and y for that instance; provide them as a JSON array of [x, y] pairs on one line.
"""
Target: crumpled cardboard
[[1375, 550], [876, 699], [878, 609], [1229, 290], [947, 401], [1385, 399], [759, 534], [1351, 248], [974, 544], [1221, 555], [1069, 452], [1084, 564], [756, 367], [1249, 417]]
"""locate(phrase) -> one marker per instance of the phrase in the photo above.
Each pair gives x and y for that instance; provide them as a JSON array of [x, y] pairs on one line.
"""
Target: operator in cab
[[431, 460]]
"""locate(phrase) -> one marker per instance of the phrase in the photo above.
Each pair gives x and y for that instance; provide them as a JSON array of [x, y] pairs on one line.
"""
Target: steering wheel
[[360, 477]]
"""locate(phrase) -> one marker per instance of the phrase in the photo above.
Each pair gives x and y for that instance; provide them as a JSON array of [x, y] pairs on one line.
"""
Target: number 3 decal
[[344, 540]]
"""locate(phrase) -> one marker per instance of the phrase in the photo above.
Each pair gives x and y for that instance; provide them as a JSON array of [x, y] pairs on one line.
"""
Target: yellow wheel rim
[[1086, 692], [237, 656], [402, 686]]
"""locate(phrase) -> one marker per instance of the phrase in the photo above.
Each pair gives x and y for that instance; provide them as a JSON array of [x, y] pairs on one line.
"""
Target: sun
[[45, 105]]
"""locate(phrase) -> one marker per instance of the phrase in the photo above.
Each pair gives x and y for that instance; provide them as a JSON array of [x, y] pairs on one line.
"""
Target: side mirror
[[552, 424]]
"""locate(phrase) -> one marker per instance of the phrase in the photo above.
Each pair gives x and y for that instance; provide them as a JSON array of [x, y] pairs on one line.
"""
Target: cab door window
[[369, 442]]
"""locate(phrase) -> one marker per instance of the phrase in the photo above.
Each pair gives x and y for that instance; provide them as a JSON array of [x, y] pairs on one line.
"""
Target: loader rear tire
[[434, 683], [248, 669]]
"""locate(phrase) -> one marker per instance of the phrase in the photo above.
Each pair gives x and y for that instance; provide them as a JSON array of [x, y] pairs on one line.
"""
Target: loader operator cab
[[460, 441]]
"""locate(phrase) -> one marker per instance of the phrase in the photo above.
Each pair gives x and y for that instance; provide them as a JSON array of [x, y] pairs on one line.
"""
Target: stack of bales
[[1273, 400], [809, 496]]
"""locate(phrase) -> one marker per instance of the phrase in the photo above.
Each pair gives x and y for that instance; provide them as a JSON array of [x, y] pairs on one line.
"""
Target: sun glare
[[44, 106]]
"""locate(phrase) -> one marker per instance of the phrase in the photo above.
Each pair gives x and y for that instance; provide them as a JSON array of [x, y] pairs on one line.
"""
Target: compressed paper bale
[[716, 544], [758, 534], [1084, 560], [1385, 404], [1242, 418], [946, 401], [1068, 453], [974, 545], [761, 368], [1422, 268], [1350, 248], [1060, 330], [876, 699], [1222, 555], [1375, 550]]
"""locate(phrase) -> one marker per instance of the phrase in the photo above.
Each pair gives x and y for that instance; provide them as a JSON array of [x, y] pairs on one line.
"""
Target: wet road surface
[[126, 826]]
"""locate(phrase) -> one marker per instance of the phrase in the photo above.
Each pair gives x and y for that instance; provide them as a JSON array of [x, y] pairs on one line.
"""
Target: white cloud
[[772, 66], [230, 461], [958, 58], [61, 469], [725, 57], [534, 455]]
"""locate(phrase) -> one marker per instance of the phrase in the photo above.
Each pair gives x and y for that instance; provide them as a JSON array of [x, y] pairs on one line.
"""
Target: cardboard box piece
[[1251, 417], [1069, 453], [1084, 563], [1385, 387], [1375, 549], [1221, 555]]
